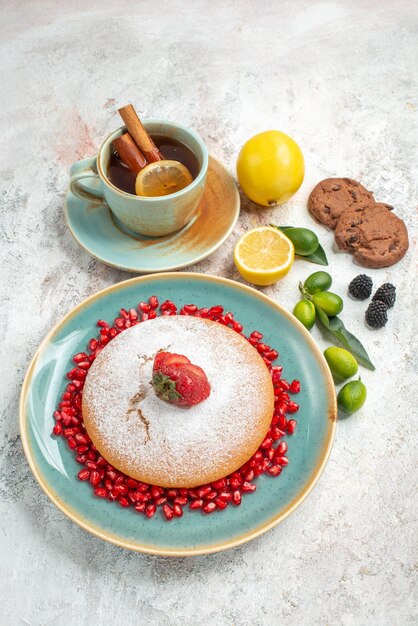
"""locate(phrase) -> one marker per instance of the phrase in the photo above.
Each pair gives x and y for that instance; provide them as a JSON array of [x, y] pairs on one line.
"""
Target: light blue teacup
[[154, 216]]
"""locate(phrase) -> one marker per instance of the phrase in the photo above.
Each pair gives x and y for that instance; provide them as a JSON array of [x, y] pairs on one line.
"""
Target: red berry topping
[[178, 381]]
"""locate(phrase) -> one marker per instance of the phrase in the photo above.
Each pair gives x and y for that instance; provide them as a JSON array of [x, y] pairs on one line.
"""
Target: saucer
[[96, 230]]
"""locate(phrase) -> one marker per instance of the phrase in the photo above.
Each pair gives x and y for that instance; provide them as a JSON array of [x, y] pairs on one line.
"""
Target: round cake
[[164, 444]]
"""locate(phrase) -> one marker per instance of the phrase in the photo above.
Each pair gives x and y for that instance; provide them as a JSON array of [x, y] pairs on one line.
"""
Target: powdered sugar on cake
[[154, 436]]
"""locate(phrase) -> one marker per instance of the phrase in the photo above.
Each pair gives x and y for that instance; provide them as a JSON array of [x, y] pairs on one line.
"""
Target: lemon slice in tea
[[162, 178]]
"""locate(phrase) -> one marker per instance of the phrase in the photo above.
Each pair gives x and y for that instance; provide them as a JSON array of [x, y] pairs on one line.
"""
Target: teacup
[[150, 216]]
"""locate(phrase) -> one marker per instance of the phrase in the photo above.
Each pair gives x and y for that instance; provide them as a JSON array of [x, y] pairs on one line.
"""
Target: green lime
[[318, 281], [341, 363], [304, 240], [304, 311], [352, 396], [329, 302]]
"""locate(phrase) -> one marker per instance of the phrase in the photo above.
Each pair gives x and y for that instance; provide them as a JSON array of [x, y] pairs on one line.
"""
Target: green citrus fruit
[[304, 240], [352, 396], [329, 302], [318, 281], [341, 363], [304, 311]]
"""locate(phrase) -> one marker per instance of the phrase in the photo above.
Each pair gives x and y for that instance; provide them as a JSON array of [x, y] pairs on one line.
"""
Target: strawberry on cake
[[178, 401]]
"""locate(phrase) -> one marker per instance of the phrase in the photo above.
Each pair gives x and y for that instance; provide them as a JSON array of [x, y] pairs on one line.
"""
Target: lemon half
[[263, 255]]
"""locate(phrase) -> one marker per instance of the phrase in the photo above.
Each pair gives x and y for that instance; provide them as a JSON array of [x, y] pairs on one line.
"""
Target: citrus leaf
[[319, 257], [336, 327]]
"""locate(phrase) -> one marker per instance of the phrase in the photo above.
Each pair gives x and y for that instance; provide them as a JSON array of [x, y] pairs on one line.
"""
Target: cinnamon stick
[[139, 134], [129, 153]]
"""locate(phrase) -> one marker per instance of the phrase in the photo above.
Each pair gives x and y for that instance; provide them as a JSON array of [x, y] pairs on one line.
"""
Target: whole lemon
[[270, 167]]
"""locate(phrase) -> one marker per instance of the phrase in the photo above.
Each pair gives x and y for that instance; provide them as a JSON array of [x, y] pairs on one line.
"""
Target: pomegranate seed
[[282, 448], [113, 332], [93, 344], [209, 507], [160, 501], [144, 307], [102, 324], [202, 492], [100, 492], [211, 495], [226, 496], [249, 476], [91, 465], [271, 355], [124, 313], [295, 386], [57, 430], [156, 492], [266, 443], [236, 498], [190, 308], [292, 407], [168, 512], [219, 484], [256, 335], [274, 470], [94, 478], [270, 453], [153, 302], [248, 487], [182, 500], [177, 510], [122, 490], [119, 322], [71, 443], [152, 315], [237, 327], [83, 474], [282, 460], [262, 347], [123, 502], [196, 504], [141, 508], [150, 510], [234, 483], [221, 504], [144, 317], [132, 483], [291, 426], [284, 385]]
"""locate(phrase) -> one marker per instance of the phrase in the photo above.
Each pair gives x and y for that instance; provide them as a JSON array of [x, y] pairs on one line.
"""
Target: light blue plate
[[96, 230], [56, 470]]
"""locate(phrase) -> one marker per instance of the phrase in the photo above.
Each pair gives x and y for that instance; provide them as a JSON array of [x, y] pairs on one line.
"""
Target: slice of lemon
[[162, 178], [263, 255]]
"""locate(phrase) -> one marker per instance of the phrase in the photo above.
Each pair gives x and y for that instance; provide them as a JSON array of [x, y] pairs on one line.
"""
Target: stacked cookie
[[366, 228]]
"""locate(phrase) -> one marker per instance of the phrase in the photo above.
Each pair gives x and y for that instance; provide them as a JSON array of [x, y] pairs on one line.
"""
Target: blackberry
[[360, 287], [387, 294], [376, 314]]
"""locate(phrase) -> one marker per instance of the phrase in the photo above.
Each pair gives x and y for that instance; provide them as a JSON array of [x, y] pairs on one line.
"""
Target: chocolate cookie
[[375, 236], [330, 198]]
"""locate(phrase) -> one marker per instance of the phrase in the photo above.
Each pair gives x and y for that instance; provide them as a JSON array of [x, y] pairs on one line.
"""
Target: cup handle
[[80, 172]]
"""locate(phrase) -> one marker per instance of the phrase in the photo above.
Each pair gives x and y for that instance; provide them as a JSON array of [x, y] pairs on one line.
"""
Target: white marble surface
[[341, 78]]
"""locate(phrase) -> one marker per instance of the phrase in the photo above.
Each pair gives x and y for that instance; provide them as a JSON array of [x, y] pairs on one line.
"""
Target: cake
[[164, 444]]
